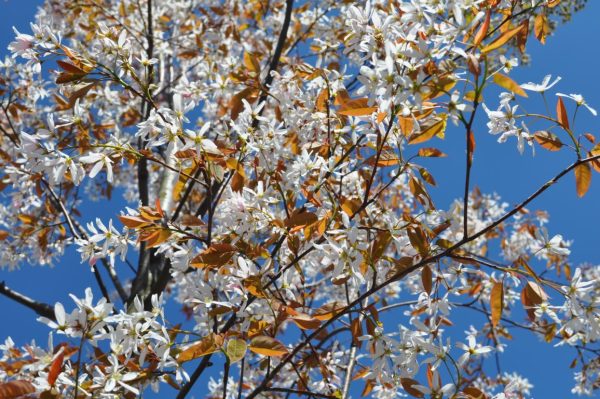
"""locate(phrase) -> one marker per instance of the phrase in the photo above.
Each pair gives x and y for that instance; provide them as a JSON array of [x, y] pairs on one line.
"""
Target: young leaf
[[306, 322], [509, 84], [430, 152], [500, 41], [236, 349], [418, 240], [427, 279], [483, 30], [497, 302], [251, 63], [548, 140], [15, 389], [583, 178], [214, 256], [55, 367], [541, 27], [133, 222], [300, 218], [594, 153], [409, 386], [267, 346], [328, 311], [435, 129], [471, 146], [474, 393], [356, 107], [561, 114], [209, 344]]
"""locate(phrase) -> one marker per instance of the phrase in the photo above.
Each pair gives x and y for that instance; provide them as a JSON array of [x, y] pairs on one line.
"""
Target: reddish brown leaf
[[306, 322], [483, 30], [428, 132], [15, 389], [583, 178], [501, 40], [548, 140], [328, 311], [541, 27], [561, 114], [55, 368], [430, 152], [300, 218], [497, 302], [209, 344], [356, 107], [215, 256], [474, 393], [427, 279], [409, 386], [267, 346], [133, 222]]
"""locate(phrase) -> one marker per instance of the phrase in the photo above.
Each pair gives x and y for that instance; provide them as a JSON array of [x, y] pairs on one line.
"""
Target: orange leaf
[[267, 346], [328, 311], [214, 256], [301, 218], [386, 158], [356, 107], [133, 222], [583, 178], [594, 153], [251, 62], [541, 27], [500, 41], [483, 30], [548, 140], [561, 114], [509, 84], [207, 345], [253, 284], [156, 238], [436, 128], [306, 322], [497, 302], [3, 235], [430, 152]]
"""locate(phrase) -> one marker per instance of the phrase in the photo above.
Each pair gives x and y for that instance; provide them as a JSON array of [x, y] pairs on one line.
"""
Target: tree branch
[[40, 308]]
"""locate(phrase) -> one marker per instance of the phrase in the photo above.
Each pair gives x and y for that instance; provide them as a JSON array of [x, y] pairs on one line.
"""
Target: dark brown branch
[[40, 308], [194, 377]]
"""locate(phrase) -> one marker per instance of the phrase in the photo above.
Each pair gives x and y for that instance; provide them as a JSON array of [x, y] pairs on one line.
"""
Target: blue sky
[[573, 53]]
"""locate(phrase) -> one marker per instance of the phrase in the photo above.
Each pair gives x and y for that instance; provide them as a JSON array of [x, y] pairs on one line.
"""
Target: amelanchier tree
[[271, 154]]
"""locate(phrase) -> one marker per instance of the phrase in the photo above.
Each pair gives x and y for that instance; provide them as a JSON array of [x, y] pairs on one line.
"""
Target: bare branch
[[40, 308]]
